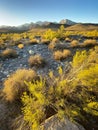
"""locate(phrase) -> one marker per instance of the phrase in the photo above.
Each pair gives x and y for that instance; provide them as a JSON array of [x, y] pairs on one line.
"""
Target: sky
[[17, 12]]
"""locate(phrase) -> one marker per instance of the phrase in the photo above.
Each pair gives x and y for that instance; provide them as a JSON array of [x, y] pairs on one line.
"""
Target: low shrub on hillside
[[73, 94], [14, 85], [89, 42], [31, 42], [67, 39], [74, 43], [54, 43], [49, 34], [79, 58], [9, 53], [2, 44], [21, 46], [45, 41], [36, 61], [59, 55]]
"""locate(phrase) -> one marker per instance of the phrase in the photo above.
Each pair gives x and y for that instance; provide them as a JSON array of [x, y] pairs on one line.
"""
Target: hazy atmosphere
[[17, 12]]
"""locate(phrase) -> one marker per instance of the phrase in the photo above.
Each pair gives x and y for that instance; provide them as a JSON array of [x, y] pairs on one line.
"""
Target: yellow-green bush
[[14, 85], [35, 103], [92, 108], [89, 76], [49, 34], [72, 94], [80, 58]]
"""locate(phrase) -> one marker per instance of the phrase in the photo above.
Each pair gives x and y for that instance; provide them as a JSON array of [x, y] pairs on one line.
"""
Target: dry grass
[[31, 42], [53, 44], [55, 40], [59, 55], [14, 86], [56, 45], [45, 41], [89, 42], [20, 46], [74, 43], [20, 124], [9, 53], [67, 39], [36, 61]]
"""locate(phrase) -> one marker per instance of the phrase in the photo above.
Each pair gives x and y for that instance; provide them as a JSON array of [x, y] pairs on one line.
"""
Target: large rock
[[54, 123]]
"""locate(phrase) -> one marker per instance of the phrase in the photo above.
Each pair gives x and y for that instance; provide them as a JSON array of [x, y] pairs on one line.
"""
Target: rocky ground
[[8, 66]]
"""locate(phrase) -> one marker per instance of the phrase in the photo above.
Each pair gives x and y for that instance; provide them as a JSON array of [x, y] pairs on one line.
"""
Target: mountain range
[[68, 24]]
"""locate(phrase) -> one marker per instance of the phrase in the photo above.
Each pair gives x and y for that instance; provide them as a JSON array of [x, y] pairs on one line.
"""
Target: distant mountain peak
[[67, 21]]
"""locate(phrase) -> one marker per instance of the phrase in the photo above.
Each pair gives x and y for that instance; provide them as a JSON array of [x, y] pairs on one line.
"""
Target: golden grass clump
[[74, 43], [45, 41], [55, 44], [67, 39], [59, 55], [36, 61], [32, 41], [20, 46], [15, 85], [9, 53], [89, 42], [55, 40]]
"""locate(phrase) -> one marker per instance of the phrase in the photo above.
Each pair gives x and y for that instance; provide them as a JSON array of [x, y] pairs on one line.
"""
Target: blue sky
[[17, 12]]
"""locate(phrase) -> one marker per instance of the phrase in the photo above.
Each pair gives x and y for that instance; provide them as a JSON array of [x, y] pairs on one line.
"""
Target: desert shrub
[[79, 58], [36, 60], [72, 94], [31, 42], [93, 55], [55, 40], [20, 46], [92, 108], [14, 85], [45, 41], [74, 43], [60, 32], [67, 39], [2, 44], [9, 53], [89, 42], [46, 101], [51, 46], [49, 34], [1, 41], [66, 53], [59, 55], [16, 37], [89, 76], [55, 44], [85, 58], [38, 100]]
